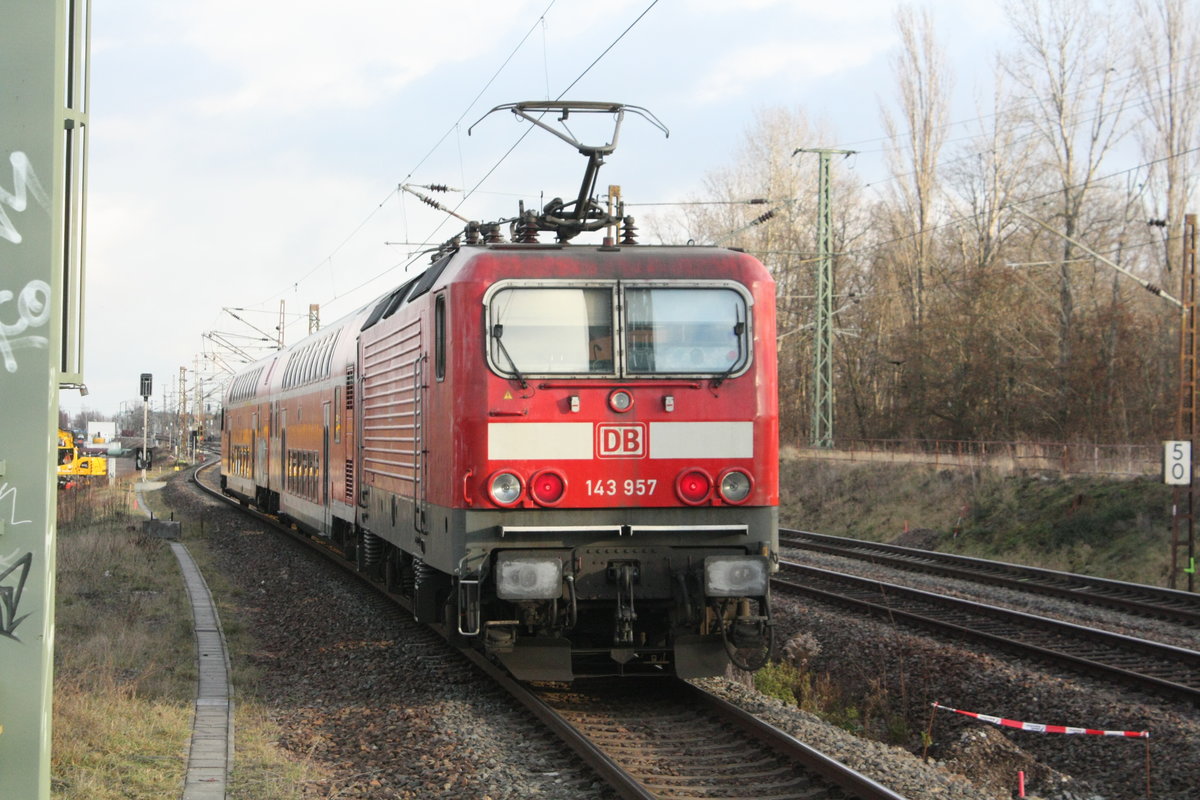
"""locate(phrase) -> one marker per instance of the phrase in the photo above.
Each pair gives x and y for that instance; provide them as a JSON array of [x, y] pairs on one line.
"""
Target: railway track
[[1160, 668], [669, 739], [1174, 606], [661, 738]]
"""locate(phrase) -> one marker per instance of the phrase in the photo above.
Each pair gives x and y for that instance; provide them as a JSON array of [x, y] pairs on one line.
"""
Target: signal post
[[1180, 457]]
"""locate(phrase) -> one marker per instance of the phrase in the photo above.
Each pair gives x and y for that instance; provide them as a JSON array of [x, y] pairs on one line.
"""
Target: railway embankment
[[1117, 528]]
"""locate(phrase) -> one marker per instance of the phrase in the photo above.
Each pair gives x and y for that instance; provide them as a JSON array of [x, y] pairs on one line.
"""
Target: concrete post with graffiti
[[35, 259]]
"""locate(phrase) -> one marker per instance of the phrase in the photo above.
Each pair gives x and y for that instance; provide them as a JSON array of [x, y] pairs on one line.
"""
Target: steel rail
[[619, 779], [748, 757], [1109, 655], [837, 773], [1149, 601]]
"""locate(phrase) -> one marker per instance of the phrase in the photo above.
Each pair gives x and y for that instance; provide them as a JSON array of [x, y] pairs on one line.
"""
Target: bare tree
[[1067, 61], [991, 170], [1168, 69], [923, 89]]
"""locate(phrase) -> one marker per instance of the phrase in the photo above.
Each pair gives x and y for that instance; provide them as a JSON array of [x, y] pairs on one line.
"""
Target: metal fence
[[1077, 458]]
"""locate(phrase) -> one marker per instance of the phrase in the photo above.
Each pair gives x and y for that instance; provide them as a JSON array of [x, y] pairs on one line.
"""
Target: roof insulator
[[628, 231], [527, 228], [492, 234]]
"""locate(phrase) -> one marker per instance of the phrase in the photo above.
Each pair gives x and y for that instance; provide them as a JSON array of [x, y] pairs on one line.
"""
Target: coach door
[[324, 468], [259, 449]]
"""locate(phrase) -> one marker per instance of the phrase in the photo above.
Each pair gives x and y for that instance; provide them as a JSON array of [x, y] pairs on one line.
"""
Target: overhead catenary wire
[[420, 162], [405, 264], [964, 218]]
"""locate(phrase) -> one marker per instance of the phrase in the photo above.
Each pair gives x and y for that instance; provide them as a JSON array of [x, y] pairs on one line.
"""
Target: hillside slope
[[1117, 529]]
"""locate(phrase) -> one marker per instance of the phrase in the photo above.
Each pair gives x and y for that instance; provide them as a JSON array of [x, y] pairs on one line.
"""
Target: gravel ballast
[[388, 711]]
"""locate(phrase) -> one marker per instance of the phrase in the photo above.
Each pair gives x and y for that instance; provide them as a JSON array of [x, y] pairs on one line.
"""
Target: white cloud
[[806, 10], [749, 71], [302, 55]]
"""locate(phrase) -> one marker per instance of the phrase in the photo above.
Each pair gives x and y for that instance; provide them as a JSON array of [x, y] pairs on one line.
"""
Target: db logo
[[621, 441]]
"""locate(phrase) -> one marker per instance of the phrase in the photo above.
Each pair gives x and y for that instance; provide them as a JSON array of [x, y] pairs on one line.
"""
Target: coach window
[[686, 330], [439, 337], [552, 330]]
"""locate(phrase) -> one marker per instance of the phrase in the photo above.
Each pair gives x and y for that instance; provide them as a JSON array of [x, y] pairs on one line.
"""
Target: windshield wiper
[[497, 334], [739, 330]]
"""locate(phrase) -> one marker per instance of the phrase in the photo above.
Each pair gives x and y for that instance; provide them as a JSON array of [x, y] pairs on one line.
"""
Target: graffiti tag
[[25, 183], [12, 579], [12, 584], [5, 491], [33, 311]]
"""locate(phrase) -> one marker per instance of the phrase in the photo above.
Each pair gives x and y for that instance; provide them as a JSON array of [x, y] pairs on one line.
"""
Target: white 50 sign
[[1177, 463]]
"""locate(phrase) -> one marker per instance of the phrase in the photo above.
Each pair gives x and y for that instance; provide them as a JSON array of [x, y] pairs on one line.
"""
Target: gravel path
[[388, 712]]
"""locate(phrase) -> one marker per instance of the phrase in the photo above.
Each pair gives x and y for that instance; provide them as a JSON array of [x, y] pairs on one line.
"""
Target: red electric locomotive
[[566, 454]]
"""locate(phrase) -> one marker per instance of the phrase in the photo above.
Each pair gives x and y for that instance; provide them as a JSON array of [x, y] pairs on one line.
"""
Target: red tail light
[[693, 486], [548, 487]]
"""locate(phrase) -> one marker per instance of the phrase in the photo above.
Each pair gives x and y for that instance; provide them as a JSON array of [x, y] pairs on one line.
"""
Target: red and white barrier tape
[[1039, 728]]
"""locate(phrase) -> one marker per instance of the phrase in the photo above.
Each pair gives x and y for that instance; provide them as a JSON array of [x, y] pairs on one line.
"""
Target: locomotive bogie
[[566, 455]]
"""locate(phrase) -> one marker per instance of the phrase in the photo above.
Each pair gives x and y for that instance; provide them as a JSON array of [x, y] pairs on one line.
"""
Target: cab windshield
[[618, 330]]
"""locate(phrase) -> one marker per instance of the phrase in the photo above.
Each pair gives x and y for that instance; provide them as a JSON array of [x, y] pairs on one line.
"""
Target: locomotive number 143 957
[[610, 487]]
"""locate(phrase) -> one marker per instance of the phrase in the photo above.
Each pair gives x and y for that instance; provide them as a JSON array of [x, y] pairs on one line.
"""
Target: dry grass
[[125, 666], [263, 772], [124, 656], [113, 741]]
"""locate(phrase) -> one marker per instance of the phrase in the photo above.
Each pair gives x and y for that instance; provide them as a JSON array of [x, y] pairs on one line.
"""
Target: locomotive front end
[[621, 482]]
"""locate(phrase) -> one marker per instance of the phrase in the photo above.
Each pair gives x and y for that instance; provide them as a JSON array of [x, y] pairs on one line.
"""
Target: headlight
[[620, 401], [735, 486], [735, 576], [528, 577], [505, 488]]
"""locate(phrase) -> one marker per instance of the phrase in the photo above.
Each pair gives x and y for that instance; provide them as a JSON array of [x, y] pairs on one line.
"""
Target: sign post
[[1187, 424]]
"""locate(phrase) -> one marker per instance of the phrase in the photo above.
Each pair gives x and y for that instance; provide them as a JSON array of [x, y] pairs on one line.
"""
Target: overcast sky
[[248, 152]]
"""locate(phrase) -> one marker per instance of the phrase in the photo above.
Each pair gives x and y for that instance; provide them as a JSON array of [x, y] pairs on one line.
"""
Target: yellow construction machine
[[75, 466]]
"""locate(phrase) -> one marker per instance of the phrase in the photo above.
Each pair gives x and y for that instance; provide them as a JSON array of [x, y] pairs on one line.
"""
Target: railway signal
[[143, 459]]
